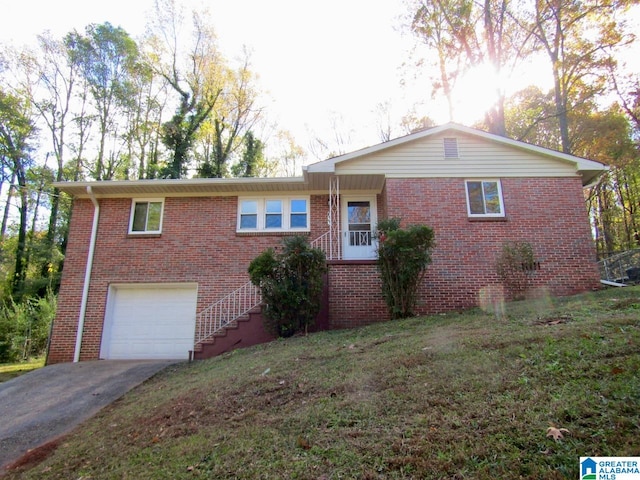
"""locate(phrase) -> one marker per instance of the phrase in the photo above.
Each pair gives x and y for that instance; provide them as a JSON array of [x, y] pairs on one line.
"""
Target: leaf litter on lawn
[[462, 395]]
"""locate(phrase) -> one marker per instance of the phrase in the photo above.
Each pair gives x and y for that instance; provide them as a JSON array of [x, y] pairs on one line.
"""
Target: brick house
[[158, 268]]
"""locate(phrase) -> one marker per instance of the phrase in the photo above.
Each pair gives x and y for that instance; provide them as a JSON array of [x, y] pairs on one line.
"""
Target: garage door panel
[[149, 322]]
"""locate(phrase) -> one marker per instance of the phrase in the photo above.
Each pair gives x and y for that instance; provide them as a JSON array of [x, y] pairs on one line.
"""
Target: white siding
[[478, 157]]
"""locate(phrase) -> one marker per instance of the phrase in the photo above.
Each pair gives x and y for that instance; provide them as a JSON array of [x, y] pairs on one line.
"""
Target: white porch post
[[333, 219]]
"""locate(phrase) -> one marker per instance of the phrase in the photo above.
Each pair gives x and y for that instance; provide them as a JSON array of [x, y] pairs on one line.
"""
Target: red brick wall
[[198, 244], [354, 295], [549, 213]]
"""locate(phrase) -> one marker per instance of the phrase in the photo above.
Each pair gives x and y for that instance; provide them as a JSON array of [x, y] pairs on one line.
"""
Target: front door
[[359, 221]]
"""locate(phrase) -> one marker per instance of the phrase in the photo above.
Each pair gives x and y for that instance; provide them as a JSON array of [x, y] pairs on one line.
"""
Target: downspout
[[87, 274]]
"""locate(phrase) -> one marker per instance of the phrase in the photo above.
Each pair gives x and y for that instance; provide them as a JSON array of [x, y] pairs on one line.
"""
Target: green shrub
[[515, 266], [403, 257], [24, 327], [291, 283]]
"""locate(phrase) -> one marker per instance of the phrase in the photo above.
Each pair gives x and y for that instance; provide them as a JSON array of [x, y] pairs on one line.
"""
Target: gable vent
[[450, 147]]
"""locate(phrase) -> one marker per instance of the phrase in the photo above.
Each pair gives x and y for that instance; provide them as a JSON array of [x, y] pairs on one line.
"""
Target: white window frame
[[286, 213], [500, 198], [136, 201]]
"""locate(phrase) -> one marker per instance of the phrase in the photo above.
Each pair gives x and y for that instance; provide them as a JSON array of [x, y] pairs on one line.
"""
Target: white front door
[[359, 219]]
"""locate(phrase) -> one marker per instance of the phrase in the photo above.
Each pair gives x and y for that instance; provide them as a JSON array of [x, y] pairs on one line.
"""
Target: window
[[249, 214], [484, 198], [146, 216], [298, 215], [273, 214]]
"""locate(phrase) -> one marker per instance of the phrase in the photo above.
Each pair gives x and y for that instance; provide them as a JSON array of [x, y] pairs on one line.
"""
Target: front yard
[[454, 396]]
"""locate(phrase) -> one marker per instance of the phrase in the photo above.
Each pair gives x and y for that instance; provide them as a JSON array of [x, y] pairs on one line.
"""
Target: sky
[[317, 60], [322, 63]]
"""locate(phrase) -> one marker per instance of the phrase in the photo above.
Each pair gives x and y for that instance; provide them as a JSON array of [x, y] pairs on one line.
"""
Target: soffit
[[316, 183]]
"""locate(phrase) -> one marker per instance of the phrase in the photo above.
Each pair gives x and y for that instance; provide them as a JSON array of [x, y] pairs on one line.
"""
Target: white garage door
[[149, 322]]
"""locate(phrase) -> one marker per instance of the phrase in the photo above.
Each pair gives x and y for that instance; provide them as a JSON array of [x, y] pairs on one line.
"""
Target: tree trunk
[[7, 205], [19, 276]]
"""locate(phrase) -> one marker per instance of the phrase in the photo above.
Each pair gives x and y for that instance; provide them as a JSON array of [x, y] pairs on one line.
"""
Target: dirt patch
[[35, 456], [549, 322]]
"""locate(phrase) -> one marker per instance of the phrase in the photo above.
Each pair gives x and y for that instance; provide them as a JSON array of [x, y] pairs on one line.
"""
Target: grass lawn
[[11, 370], [456, 396]]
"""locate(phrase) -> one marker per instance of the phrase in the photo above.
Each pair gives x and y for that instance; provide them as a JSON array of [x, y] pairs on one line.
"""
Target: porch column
[[333, 219]]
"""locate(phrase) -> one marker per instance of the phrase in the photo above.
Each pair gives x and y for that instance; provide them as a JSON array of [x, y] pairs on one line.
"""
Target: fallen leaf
[[556, 433], [303, 443]]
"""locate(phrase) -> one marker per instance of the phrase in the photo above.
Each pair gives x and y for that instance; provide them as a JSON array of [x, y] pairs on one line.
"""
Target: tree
[[627, 88], [52, 79], [411, 123], [107, 58], [289, 155], [578, 38], [429, 23], [465, 35], [16, 131], [252, 158], [614, 200], [143, 121], [197, 82], [291, 283], [530, 116], [335, 143]]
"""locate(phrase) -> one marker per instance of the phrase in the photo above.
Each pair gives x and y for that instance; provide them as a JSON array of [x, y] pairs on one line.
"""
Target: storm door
[[359, 222]]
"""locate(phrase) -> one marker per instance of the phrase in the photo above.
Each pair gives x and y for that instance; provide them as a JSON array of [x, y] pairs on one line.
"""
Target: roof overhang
[[186, 187], [314, 183]]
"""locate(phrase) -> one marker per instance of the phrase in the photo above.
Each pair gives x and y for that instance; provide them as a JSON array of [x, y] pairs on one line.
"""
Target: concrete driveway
[[41, 405]]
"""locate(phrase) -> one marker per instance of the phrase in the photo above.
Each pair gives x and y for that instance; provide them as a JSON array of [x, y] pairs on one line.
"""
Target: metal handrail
[[617, 266], [217, 316], [229, 308]]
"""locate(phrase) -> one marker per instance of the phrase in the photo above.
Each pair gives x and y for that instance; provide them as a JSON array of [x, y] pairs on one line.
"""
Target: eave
[[316, 183]]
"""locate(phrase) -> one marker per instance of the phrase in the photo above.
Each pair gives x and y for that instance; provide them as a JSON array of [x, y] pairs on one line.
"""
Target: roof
[[315, 178], [309, 184], [588, 169]]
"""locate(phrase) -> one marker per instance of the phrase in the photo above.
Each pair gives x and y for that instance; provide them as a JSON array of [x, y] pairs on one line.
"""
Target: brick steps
[[245, 331]]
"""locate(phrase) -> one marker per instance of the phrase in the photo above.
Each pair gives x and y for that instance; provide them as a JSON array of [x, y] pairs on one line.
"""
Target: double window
[[146, 216], [273, 214], [484, 198]]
